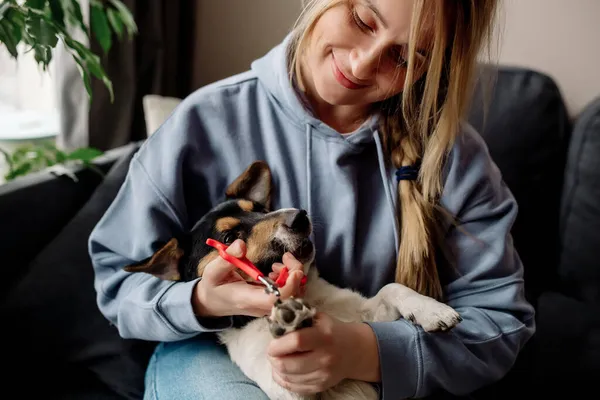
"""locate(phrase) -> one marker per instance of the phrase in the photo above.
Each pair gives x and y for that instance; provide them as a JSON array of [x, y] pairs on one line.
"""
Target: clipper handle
[[245, 265]]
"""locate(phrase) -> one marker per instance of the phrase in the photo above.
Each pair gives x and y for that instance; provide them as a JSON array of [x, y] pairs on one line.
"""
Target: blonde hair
[[420, 125]]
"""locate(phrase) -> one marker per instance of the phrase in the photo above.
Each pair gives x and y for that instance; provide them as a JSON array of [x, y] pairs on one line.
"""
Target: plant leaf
[[57, 13], [16, 18], [60, 156], [91, 64], [74, 15], [42, 55], [84, 75], [40, 24], [126, 16], [84, 154], [36, 4], [22, 169], [100, 27], [5, 6], [12, 25], [8, 37], [109, 86], [20, 154], [115, 22], [43, 31]]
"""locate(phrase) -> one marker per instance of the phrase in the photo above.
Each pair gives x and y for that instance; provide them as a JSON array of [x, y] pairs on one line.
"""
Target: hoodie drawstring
[[386, 186], [309, 175], [382, 172]]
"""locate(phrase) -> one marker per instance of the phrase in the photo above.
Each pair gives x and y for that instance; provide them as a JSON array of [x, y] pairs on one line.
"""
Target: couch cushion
[[59, 338], [567, 345], [580, 215], [526, 128], [48, 203]]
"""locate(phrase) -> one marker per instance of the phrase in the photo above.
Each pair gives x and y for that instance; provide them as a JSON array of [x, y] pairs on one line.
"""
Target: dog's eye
[[229, 237]]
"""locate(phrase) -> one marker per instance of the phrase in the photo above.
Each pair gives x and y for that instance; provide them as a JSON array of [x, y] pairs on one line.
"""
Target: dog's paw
[[290, 315], [430, 314]]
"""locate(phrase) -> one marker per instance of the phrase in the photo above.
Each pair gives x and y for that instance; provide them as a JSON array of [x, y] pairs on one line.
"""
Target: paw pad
[[290, 315]]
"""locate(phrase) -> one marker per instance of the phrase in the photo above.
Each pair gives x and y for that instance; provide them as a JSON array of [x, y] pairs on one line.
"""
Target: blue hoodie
[[344, 182]]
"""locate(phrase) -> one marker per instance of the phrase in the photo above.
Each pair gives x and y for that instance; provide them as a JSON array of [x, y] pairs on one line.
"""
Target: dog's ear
[[253, 184], [163, 263]]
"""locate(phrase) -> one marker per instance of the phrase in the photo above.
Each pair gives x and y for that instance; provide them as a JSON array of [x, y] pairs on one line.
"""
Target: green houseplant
[[40, 25]]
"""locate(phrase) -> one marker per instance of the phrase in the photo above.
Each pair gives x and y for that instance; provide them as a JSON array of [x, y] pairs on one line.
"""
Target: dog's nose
[[298, 221]]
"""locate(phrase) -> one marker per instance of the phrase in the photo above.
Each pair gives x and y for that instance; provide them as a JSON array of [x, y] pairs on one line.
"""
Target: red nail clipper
[[250, 269]]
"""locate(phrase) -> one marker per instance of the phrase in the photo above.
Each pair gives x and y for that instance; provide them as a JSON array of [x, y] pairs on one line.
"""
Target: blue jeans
[[197, 368]]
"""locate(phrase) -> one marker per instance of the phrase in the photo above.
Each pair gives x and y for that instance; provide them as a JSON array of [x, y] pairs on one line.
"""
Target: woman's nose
[[363, 63]]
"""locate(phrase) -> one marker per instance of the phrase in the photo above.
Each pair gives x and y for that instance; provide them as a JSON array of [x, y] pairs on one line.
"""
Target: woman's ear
[[253, 184]]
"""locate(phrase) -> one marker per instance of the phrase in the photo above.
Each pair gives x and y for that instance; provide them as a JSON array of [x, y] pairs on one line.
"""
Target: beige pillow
[[157, 109]]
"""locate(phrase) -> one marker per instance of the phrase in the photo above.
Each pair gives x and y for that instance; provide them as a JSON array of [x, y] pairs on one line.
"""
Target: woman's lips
[[341, 78]]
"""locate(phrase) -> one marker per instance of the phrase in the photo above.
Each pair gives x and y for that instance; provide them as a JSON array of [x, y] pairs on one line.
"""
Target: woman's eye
[[359, 21]]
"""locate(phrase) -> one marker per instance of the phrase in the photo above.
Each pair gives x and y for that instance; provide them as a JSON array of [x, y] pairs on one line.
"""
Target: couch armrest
[[34, 208]]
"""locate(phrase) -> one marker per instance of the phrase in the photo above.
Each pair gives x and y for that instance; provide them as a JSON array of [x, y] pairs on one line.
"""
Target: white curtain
[[71, 97]]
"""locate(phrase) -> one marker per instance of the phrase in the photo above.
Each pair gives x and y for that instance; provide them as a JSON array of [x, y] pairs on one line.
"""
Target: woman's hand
[[294, 267], [223, 292], [312, 360]]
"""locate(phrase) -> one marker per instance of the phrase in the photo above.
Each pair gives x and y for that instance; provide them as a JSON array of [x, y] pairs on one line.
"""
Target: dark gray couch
[[58, 345]]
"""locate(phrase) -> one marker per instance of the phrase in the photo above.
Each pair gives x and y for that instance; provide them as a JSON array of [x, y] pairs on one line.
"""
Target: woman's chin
[[340, 96]]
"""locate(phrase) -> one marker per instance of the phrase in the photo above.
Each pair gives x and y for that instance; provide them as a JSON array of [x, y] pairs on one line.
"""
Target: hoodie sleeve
[[149, 209], [487, 291]]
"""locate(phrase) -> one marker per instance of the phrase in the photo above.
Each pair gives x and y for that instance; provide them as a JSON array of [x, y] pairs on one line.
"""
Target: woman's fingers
[[300, 388], [292, 263], [292, 285], [252, 299], [277, 267]]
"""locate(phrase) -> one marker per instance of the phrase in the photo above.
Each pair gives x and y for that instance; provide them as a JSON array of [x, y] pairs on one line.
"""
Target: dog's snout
[[298, 221]]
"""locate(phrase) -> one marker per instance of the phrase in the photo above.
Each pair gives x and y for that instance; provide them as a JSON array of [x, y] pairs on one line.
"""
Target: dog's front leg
[[395, 300], [292, 314]]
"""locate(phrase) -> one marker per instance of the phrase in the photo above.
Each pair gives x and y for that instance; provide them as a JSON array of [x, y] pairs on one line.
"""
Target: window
[[28, 108]]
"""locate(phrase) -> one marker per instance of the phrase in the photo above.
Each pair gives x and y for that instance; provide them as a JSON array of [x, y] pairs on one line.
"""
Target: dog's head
[[244, 214]]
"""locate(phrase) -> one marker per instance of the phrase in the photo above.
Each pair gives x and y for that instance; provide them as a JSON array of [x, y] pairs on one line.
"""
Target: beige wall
[[233, 33], [558, 37]]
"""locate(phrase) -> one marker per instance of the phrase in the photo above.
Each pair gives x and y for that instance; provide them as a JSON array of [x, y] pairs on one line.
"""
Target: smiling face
[[357, 52]]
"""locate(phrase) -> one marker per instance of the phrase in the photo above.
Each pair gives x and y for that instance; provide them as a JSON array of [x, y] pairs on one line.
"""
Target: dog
[[245, 213]]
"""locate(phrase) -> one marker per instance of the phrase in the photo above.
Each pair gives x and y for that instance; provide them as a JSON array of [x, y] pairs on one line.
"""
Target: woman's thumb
[[219, 268], [237, 248], [292, 285]]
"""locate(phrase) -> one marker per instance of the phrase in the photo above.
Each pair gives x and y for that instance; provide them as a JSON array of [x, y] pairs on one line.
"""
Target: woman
[[360, 115]]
